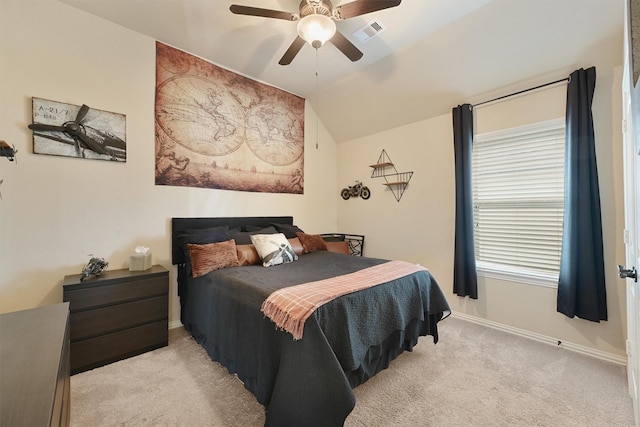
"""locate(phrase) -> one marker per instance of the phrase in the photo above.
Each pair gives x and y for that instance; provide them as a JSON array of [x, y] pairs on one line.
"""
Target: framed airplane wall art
[[62, 129]]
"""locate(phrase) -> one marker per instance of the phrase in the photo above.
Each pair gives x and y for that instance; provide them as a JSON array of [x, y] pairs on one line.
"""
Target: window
[[518, 195]]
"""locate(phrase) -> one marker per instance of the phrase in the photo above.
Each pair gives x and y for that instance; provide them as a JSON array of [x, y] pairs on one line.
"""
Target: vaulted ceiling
[[433, 55]]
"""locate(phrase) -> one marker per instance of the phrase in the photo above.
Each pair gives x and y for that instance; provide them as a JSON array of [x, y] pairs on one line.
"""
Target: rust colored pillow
[[312, 242], [296, 245], [247, 255], [212, 256], [340, 247]]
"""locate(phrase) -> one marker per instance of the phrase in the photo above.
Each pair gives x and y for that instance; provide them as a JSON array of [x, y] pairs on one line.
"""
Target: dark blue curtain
[[465, 280], [581, 285]]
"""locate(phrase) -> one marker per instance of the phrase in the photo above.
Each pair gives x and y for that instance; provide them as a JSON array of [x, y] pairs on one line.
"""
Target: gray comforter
[[348, 340]]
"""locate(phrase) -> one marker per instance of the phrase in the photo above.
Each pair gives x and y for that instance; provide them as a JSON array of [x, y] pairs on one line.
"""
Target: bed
[[306, 380]]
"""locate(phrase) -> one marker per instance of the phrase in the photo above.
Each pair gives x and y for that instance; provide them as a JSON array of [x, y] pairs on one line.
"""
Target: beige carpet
[[475, 376]]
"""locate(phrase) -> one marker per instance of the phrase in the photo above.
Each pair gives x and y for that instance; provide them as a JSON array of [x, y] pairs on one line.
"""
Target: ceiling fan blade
[[82, 113], [266, 13], [47, 128], [345, 46], [292, 51], [92, 144], [357, 8]]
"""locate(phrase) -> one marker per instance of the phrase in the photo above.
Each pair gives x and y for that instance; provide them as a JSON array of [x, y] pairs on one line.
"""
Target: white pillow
[[273, 249]]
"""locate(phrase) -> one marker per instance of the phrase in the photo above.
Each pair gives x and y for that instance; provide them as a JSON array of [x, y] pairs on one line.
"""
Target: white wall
[[420, 228], [55, 211]]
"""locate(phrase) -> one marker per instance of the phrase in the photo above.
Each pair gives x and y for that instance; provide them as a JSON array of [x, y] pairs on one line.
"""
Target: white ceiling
[[434, 55]]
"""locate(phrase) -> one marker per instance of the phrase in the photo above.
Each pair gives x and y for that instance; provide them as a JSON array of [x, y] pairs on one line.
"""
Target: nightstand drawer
[[105, 294], [99, 321], [98, 351]]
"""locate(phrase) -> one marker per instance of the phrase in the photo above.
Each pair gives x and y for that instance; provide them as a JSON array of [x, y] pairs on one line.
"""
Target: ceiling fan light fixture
[[316, 29]]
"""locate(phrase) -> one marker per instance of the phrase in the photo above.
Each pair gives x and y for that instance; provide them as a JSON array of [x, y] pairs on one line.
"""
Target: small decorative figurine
[[94, 267], [357, 190]]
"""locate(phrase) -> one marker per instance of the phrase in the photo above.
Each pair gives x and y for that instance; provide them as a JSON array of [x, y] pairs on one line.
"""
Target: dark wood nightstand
[[116, 315]]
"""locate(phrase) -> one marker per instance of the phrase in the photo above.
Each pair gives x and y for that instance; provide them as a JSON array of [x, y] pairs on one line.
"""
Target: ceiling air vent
[[369, 31]]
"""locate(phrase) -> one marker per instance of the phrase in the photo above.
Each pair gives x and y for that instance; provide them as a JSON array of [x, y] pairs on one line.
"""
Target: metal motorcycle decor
[[94, 267], [357, 190]]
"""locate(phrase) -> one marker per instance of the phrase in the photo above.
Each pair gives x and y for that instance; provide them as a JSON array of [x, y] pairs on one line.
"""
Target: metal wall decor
[[7, 151], [70, 130], [10, 153], [356, 190], [396, 181]]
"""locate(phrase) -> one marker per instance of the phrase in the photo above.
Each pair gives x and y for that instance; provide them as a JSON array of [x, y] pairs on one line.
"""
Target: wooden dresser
[[34, 367], [116, 315]]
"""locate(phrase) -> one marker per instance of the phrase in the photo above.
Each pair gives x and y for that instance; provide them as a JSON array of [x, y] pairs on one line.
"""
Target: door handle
[[624, 273]]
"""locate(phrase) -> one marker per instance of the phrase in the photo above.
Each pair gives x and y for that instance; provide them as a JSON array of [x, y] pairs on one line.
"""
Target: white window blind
[[518, 188]]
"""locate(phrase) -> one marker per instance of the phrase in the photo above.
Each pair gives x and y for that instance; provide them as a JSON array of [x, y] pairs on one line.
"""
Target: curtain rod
[[522, 91]]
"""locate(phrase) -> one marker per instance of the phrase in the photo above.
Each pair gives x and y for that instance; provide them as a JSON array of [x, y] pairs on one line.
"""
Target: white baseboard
[[175, 324], [598, 354]]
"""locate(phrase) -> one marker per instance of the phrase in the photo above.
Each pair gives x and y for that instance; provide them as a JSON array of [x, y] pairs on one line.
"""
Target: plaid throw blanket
[[290, 307]]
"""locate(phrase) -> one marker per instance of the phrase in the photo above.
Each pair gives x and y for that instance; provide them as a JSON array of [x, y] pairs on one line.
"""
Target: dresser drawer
[[99, 321], [105, 294], [104, 349]]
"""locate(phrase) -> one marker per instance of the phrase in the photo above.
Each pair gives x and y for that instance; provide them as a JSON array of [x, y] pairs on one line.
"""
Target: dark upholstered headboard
[[178, 224]]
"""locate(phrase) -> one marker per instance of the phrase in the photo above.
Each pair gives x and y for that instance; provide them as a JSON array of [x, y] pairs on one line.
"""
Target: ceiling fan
[[316, 23]]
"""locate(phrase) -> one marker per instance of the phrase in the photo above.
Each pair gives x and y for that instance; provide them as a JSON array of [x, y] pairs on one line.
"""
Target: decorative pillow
[[296, 245], [340, 247], [200, 236], [250, 228], [244, 237], [288, 230], [212, 256], [274, 249], [247, 255], [312, 242]]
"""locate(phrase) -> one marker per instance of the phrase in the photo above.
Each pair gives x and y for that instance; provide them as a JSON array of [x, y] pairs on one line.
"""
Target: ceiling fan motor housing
[[315, 7]]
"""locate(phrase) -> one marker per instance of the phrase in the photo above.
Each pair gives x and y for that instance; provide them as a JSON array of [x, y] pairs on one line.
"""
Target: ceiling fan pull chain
[[317, 101]]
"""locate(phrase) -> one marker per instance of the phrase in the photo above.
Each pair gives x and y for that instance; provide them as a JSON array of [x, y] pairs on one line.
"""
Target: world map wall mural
[[217, 129]]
